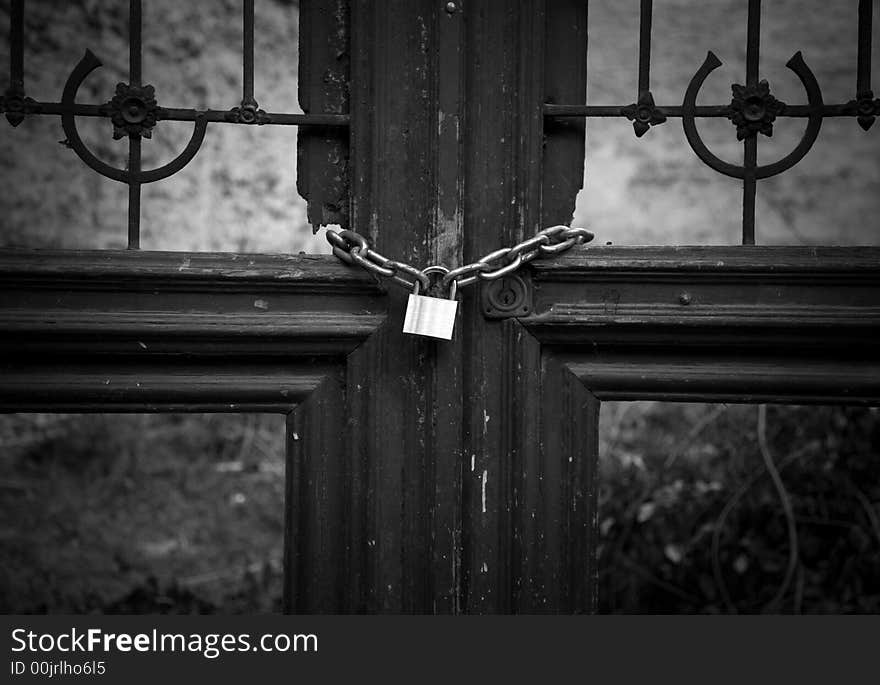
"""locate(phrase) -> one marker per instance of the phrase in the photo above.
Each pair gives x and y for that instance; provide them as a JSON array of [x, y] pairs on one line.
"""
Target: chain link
[[352, 248]]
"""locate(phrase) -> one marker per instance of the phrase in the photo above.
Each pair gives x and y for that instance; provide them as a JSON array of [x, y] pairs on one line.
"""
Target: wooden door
[[427, 476]]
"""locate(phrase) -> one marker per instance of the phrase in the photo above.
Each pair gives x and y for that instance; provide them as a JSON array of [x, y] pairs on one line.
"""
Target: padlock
[[431, 316]]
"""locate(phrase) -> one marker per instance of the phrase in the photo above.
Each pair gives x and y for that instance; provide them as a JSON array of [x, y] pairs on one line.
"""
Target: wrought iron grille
[[752, 109], [134, 110]]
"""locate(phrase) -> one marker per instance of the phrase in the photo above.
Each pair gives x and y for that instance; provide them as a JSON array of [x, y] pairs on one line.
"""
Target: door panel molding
[[727, 297], [143, 331], [758, 324]]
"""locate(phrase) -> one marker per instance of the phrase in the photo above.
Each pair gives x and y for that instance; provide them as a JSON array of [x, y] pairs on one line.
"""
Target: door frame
[[423, 476]]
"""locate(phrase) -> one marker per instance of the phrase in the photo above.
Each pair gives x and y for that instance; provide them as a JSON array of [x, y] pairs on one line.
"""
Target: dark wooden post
[[449, 477]]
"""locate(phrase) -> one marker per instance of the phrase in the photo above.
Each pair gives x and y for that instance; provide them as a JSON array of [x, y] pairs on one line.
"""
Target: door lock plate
[[508, 297]]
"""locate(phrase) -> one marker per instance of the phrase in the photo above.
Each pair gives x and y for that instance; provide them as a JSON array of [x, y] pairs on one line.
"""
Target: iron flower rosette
[[15, 105], [644, 114], [133, 111], [753, 110], [865, 107], [248, 112]]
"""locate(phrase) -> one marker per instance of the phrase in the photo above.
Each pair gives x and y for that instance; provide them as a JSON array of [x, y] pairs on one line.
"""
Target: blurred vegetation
[[691, 521], [141, 513], [184, 513]]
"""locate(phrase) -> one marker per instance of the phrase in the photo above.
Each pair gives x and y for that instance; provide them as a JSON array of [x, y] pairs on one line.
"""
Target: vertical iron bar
[[134, 42], [863, 80], [134, 192], [248, 52], [134, 141], [646, 12], [16, 46], [750, 156], [749, 189], [753, 41], [16, 61]]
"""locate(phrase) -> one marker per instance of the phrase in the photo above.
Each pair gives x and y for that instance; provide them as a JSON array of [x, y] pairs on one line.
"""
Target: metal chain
[[352, 248], [550, 241]]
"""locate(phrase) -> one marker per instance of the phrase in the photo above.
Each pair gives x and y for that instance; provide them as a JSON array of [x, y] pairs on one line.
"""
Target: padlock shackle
[[437, 269]]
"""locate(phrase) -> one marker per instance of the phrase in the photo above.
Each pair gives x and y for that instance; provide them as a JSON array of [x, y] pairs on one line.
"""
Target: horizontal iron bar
[[802, 111], [212, 115], [276, 118]]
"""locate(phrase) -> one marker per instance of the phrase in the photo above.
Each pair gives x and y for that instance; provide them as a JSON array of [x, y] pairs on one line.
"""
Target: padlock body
[[430, 316]]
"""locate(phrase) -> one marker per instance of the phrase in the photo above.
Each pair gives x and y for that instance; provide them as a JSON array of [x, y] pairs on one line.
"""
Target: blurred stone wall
[[655, 190], [238, 194]]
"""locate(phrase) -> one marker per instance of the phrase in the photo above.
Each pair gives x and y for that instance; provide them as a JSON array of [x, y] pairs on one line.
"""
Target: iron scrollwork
[[134, 112], [760, 118], [139, 126], [753, 109]]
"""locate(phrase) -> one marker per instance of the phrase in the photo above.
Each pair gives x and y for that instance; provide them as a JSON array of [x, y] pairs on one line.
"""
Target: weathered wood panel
[[710, 375], [148, 304], [318, 540], [146, 331], [400, 396], [527, 514], [324, 75], [463, 493], [113, 384], [790, 298]]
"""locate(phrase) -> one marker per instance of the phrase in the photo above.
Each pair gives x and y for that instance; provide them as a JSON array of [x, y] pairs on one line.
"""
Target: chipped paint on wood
[[446, 166]]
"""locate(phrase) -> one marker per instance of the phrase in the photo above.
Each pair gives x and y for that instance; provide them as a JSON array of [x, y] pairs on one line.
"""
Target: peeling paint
[[485, 480], [456, 560], [446, 238]]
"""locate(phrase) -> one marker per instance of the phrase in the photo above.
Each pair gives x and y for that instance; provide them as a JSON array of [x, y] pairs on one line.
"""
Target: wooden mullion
[[401, 402], [324, 77], [317, 538], [565, 81]]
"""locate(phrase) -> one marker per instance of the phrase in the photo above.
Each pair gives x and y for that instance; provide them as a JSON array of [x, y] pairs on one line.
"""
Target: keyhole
[[507, 296]]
